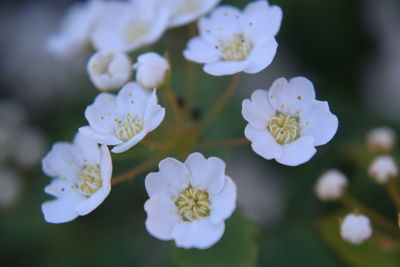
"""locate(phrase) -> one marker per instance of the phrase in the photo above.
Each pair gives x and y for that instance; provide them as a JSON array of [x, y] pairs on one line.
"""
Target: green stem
[[393, 191]]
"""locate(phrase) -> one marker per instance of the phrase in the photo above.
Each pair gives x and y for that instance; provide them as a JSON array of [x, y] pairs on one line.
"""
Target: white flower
[[184, 12], [330, 185], [109, 70], [151, 70], [127, 26], [75, 30], [356, 228], [125, 119], [381, 139], [81, 179], [383, 168], [232, 41], [189, 201], [287, 122], [10, 187]]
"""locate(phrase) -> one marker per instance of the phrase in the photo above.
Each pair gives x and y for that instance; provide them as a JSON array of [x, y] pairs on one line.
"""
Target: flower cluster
[[189, 201]]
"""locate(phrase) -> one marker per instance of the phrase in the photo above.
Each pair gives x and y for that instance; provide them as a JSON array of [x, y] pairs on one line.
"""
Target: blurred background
[[349, 49]]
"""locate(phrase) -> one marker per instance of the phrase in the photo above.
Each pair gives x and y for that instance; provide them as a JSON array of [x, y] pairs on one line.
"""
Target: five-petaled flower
[[287, 122], [123, 120], [82, 173], [232, 41], [189, 201]]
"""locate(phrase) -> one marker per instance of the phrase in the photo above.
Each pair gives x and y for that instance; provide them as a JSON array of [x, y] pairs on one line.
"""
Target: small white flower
[[81, 178], [10, 187], [355, 228], [109, 70], [127, 26], [381, 139], [330, 185], [184, 12], [151, 70], [232, 41], [75, 30], [123, 120], [383, 168], [287, 122], [189, 201]]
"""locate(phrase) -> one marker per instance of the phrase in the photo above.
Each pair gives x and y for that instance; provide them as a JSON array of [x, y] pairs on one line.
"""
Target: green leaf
[[379, 250], [236, 248]]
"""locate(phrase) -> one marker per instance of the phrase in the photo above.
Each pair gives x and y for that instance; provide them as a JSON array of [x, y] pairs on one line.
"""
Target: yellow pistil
[[127, 128], [193, 203], [89, 180], [236, 49], [284, 128]]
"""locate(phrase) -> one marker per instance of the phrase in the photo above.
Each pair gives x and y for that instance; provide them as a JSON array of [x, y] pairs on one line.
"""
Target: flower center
[[193, 203], [135, 30], [89, 180], [188, 6], [237, 49], [103, 64], [127, 128], [284, 128]]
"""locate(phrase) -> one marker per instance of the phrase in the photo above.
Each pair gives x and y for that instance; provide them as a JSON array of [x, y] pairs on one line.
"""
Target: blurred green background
[[349, 49]]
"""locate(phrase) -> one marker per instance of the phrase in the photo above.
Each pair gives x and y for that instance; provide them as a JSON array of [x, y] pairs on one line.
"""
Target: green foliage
[[237, 248]]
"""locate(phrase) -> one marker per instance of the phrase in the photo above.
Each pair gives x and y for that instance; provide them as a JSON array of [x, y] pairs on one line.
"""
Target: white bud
[[151, 70], [356, 228], [109, 70], [381, 139], [330, 185], [10, 187], [383, 168]]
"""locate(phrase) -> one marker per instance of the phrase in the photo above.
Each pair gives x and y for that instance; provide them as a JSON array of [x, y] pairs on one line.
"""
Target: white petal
[[258, 110], [101, 138], [154, 113], [97, 198], [63, 209], [129, 144], [62, 161], [133, 98], [201, 51], [279, 96], [200, 234], [220, 68], [58, 187], [88, 148], [162, 216], [102, 113], [261, 56], [172, 178], [297, 152], [206, 174], [224, 203], [262, 142], [318, 122]]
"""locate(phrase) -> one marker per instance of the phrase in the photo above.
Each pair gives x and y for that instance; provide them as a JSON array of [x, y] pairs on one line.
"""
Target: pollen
[[284, 128], [127, 128], [236, 49], [89, 180], [193, 204]]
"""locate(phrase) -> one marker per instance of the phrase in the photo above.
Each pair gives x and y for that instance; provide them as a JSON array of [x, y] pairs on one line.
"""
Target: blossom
[[287, 122], [232, 41], [383, 168], [81, 174], [381, 139], [356, 228], [109, 69], [151, 70], [127, 26], [189, 201], [330, 185], [123, 120], [184, 12], [76, 28]]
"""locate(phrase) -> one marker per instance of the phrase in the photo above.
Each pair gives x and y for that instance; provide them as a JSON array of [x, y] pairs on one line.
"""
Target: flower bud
[[330, 185], [356, 228], [381, 139], [151, 70], [382, 169], [109, 70]]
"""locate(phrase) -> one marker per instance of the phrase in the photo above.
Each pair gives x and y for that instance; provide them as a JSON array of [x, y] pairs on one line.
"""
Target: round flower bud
[[151, 70], [109, 70], [330, 185], [381, 139], [382, 169], [356, 228]]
